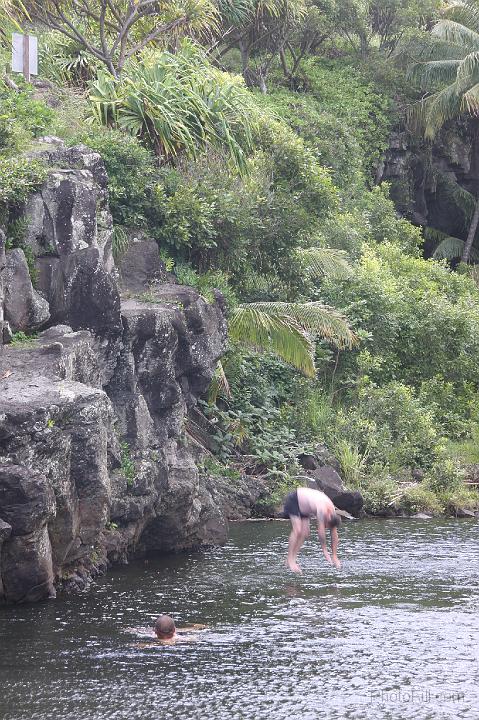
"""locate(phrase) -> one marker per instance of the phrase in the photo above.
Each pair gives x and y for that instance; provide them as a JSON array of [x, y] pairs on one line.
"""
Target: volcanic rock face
[[25, 309], [425, 178], [3, 265], [94, 462]]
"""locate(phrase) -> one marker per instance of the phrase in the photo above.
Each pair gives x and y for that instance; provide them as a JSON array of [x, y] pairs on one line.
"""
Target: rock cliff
[[94, 462], [427, 178]]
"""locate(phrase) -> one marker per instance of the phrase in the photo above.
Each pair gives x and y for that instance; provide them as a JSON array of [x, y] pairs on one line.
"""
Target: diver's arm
[[322, 538]]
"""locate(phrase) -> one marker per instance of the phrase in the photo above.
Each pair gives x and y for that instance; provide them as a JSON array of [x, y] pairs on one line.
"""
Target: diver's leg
[[295, 542]]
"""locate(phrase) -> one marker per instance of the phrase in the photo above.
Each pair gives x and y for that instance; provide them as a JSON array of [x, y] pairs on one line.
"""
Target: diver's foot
[[294, 567]]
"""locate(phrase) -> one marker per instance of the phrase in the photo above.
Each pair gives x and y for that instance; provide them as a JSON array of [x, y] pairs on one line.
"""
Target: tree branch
[[160, 30]]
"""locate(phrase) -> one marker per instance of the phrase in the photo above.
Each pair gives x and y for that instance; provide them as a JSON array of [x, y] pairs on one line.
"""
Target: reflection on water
[[394, 635]]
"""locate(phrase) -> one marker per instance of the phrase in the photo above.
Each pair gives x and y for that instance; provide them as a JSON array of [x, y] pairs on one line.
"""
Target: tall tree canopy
[[115, 30]]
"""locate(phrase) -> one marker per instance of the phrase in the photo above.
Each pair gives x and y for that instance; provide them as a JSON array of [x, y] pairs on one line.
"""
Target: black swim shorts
[[291, 505]]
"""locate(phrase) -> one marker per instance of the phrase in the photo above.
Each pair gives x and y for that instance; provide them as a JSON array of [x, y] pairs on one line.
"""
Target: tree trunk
[[471, 234], [262, 82], [284, 64], [244, 50], [364, 45], [466, 253]]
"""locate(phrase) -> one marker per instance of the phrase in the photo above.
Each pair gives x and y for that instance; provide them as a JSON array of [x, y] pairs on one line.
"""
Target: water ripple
[[393, 636]]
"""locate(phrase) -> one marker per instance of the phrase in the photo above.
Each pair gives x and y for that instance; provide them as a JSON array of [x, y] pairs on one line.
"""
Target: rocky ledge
[[95, 462]]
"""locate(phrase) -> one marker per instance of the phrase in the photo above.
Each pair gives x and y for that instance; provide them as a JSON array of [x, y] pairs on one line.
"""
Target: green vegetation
[[127, 465], [248, 145], [21, 339]]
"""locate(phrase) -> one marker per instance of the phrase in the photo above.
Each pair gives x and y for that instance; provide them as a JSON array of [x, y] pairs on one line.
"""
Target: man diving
[[301, 505]]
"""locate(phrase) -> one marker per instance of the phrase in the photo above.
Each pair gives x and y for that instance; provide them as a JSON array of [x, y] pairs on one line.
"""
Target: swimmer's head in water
[[334, 521], [164, 627]]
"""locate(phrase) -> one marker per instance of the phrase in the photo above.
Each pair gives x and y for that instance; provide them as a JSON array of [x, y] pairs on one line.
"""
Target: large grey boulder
[[60, 434], [70, 231], [25, 309], [170, 350], [140, 265], [82, 294], [70, 211], [5, 532], [327, 479], [179, 522]]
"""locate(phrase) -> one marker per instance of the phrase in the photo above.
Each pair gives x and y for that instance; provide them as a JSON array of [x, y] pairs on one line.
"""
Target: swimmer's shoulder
[[193, 627], [144, 632]]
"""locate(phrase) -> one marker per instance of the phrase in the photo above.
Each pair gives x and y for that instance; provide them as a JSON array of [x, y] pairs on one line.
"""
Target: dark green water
[[393, 636]]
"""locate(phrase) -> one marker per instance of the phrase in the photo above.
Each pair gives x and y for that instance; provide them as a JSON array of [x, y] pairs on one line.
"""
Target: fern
[[448, 247], [320, 262]]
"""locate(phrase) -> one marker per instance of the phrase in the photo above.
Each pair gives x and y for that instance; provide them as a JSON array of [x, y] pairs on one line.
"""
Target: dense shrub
[[418, 319], [22, 118], [246, 225], [348, 96], [131, 174], [419, 498], [18, 178], [333, 141]]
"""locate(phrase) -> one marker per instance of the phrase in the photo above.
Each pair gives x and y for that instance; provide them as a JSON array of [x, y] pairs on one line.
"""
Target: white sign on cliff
[[25, 55]]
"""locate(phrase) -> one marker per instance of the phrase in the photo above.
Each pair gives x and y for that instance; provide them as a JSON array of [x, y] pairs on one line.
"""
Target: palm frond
[[429, 48], [468, 71], [325, 262], [429, 74], [456, 33], [465, 200], [448, 247], [430, 114], [465, 13], [314, 318], [274, 333], [470, 100]]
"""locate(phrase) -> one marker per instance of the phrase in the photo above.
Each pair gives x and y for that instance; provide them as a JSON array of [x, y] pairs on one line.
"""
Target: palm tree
[[450, 57], [289, 330]]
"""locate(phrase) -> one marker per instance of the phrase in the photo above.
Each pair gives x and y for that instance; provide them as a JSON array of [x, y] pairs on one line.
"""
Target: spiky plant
[[176, 103], [447, 67]]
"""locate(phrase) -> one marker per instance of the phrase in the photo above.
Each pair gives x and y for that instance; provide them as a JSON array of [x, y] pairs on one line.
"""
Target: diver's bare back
[[313, 502]]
